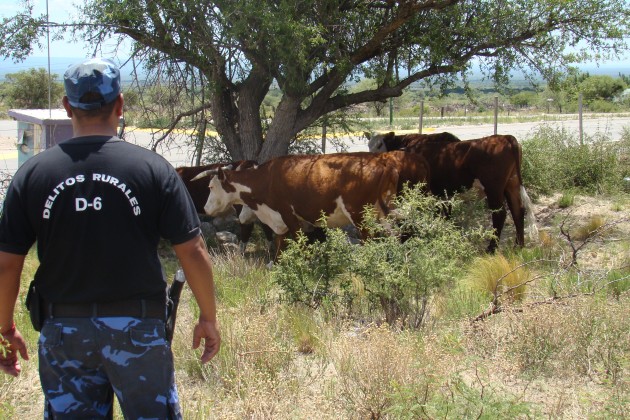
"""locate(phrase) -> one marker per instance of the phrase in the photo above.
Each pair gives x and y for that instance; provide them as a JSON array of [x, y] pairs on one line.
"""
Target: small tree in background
[[28, 89]]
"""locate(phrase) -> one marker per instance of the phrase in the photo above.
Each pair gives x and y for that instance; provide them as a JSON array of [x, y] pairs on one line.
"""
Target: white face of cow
[[376, 143], [219, 200]]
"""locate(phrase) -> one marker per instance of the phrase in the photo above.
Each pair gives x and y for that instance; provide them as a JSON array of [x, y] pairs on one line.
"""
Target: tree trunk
[[281, 131]]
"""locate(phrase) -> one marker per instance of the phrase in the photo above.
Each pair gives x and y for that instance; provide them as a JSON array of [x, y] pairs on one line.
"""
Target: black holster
[[172, 301], [34, 304]]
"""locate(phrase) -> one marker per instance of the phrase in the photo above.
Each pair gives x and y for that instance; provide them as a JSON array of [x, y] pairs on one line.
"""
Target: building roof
[[41, 116]]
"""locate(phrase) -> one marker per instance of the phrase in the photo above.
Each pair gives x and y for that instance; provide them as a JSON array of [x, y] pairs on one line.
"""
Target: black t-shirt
[[97, 207]]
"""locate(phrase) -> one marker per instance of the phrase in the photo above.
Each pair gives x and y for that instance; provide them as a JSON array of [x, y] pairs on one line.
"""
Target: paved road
[[178, 153]]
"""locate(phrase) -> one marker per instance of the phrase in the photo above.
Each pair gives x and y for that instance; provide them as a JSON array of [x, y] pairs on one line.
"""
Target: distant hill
[[58, 66]]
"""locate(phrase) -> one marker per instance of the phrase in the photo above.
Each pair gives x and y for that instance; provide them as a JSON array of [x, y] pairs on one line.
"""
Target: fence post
[[496, 113], [421, 117], [580, 111], [391, 112], [324, 138]]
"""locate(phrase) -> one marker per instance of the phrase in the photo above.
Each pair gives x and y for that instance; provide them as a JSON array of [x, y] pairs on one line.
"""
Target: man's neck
[[93, 129]]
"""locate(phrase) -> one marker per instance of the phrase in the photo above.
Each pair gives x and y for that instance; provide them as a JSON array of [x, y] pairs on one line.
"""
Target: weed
[[618, 281], [566, 200]]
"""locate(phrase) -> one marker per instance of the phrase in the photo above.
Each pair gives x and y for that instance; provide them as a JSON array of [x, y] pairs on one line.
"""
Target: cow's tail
[[531, 230]]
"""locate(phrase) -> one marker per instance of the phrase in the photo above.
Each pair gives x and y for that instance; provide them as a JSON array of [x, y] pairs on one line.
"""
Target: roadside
[[177, 152]]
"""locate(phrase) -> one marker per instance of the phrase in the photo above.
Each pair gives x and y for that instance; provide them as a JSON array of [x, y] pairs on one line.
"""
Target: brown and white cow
[[494, 162], [290, 193], [198, 190]]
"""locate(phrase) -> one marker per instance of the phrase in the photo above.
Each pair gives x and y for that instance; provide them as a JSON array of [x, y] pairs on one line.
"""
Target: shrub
[[553, 160], [310, 273], [410, 255]]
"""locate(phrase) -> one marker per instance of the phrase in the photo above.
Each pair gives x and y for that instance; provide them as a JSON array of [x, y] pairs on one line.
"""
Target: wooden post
[[324, 137], [421, 117], [496, 113]]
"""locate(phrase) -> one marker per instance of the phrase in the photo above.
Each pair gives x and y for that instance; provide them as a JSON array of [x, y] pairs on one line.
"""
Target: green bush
[[410, 255], [29, 89], [554, 160], [310, 273]]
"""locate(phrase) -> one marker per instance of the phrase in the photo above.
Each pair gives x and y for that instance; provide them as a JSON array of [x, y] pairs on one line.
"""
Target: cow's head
[[378, 142], [219, 200]]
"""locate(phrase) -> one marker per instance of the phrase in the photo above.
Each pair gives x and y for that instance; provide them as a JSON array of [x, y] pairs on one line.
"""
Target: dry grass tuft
[[504, 278], [590, 227]]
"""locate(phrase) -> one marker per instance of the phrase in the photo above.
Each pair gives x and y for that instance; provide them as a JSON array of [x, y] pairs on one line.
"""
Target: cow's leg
[[497, 208], [279, 246], [515, 204], [246, 234]]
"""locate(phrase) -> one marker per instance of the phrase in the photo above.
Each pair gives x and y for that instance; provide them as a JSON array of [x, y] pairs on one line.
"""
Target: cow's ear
[[388, 140]]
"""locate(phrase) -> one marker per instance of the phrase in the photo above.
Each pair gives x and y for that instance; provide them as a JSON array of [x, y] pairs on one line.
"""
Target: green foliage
[[601, 87], [243, 279], [310, 273], [28, 89], [605, 106], [523, 99], [20, 33], [399, 277], [554, 160]]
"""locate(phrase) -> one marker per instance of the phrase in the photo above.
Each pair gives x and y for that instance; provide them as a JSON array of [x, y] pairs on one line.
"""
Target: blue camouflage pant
[[83, 362]]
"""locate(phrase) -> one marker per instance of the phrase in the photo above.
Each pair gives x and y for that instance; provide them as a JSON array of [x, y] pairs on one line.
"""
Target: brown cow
[[198, 190], [391, 141], [290, 193], [494, 161]]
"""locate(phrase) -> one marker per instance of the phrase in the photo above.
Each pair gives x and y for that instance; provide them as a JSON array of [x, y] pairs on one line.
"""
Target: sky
[[59, 11], [62, 50]]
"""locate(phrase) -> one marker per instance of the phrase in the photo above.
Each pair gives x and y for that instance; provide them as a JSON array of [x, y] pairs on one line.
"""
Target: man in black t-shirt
[[97, 208]]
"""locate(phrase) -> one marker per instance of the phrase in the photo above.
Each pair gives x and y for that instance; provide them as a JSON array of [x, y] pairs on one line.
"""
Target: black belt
[[141, 308]]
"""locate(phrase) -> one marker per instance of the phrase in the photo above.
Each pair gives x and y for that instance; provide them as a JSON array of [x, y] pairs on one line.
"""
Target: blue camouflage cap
[[95, 75]]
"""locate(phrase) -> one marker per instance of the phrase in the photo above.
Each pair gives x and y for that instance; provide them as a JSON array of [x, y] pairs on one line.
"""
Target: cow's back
[[412, 168], [307, 185]]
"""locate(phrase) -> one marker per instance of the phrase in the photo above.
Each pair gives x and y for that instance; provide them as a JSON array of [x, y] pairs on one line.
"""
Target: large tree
[[312, 49]]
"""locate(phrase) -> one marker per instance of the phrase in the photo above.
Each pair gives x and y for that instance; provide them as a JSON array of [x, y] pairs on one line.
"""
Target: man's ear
[[67, 107], [120, 102]]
